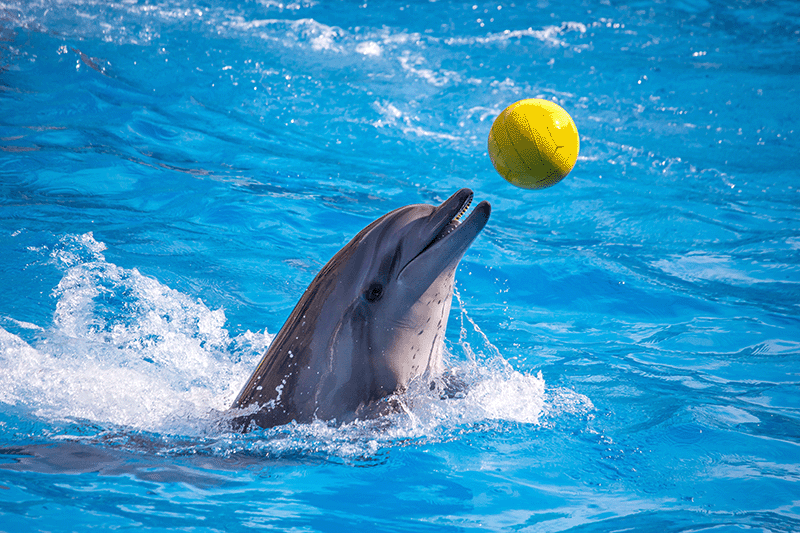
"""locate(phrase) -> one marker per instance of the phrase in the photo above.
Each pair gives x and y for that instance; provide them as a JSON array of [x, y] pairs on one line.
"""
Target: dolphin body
[[373, 319]]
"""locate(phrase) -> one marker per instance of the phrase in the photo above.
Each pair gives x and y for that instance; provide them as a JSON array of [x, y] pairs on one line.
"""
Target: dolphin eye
[[374, 292]]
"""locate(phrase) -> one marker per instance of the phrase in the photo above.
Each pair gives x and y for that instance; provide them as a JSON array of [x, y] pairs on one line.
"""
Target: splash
[[127, 355], [125, 350], [489, 395]]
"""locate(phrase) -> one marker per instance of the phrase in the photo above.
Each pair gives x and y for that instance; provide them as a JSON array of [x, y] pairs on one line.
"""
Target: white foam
[[369, 48], [412, 63], [393, 117], [550, 35], [489, 394], [290, 32], [292, 6], [126, 352]]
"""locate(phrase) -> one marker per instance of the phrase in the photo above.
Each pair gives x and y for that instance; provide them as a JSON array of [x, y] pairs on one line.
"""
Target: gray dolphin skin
[[373, 319]]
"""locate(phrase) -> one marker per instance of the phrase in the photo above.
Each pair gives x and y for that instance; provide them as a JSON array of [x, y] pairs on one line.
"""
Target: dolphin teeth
[[463, 210], [451, 226]]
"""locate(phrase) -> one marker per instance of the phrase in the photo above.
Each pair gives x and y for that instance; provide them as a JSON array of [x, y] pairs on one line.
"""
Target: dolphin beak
[[447, 219], [452, 209], [447, 234]]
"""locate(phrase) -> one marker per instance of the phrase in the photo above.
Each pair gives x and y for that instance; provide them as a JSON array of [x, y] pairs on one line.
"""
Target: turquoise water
[[173, 174]]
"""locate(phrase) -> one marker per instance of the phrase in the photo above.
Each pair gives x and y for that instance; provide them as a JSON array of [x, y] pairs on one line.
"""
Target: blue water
[[174, 173]]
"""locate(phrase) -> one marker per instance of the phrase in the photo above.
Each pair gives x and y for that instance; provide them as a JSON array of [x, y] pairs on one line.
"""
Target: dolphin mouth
[[447, 226], [452, 225]]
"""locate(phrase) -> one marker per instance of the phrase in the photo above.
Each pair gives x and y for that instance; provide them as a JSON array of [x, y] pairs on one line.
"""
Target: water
[[173, 174]]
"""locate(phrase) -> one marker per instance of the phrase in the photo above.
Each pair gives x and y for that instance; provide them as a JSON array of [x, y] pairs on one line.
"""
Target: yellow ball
[[533, 143]]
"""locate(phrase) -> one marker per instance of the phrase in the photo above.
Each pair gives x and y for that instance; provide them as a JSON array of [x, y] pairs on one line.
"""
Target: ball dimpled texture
[[533, 143]]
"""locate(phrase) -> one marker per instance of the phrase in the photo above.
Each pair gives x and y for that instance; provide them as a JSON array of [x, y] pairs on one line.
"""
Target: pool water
[[173, 174]]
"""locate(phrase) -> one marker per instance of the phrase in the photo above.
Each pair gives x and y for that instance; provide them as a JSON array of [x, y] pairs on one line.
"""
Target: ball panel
[[524, 142], [493, 148], [530, 119], [497, 157], [561, 129], [506, 146]]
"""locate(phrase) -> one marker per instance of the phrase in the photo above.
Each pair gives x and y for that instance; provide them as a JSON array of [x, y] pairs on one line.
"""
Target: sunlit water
[[173, 174]]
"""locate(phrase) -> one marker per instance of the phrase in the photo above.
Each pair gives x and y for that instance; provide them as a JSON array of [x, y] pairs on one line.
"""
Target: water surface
[[173, 174]]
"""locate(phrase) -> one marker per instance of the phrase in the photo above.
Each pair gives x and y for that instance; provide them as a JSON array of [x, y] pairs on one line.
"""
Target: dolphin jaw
[[450, 223], [449, 227]]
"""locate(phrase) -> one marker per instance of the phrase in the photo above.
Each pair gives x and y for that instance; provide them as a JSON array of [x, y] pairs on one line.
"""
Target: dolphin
[[373, 319]]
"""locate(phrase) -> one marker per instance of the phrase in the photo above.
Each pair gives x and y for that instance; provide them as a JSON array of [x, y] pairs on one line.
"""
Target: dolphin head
[[398, 257], [373, 318], [398, 293]]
